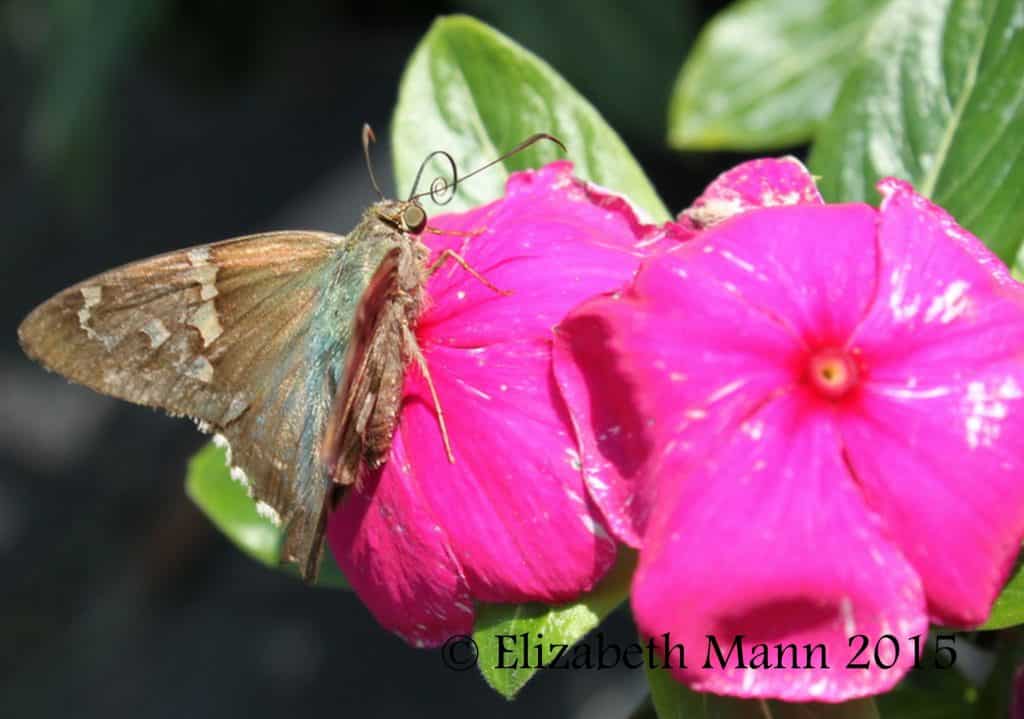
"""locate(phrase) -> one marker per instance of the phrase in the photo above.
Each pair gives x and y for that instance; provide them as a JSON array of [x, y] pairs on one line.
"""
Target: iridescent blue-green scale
[[341, 283]]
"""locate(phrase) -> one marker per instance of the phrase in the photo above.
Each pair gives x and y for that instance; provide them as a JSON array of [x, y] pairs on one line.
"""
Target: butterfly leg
[[456, 233], [413, 348], [453, 255]]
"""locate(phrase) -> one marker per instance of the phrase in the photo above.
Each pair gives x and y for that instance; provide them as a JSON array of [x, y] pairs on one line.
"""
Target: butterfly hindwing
[[246, 336], [366, 405]]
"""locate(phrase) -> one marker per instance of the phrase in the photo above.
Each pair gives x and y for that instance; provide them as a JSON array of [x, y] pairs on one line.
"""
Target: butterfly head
[[407, 216]]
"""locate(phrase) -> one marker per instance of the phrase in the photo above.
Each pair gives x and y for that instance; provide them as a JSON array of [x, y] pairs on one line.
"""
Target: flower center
[[832, 373]]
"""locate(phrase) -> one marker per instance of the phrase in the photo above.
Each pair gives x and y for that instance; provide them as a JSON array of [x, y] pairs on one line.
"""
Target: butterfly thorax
[[383, 342], [393, 226]]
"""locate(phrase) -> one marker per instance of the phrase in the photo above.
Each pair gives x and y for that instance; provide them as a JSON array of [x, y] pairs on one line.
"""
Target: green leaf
[[856, 709], [673, 700], [89, 45], [230, 508], [765, 73], [565, 624], [929, 692], [1017, 268], [1008, 609], [644, 37], [956, 700], [473, 92], [1000, 687], [936, 99]]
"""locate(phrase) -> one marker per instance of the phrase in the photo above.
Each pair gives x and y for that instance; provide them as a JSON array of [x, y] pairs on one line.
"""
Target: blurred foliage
[[477, 93], [1008, 609], [928, 92], [78, 47], [82, 51], [941, 109], [765, 73], [620, 56], [883, 87], [566, 624], [673, 700], [227, 505]]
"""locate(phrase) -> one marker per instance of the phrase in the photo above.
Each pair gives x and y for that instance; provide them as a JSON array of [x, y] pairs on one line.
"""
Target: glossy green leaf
[[936, 98], [647, 39], [958, 701], [228, 506], [999, 692], [1017, 268], [566, 624], [1008, 609], [673, 700], [930, 692], [226, 503], [88, 45], [765, 73], [475, 93]]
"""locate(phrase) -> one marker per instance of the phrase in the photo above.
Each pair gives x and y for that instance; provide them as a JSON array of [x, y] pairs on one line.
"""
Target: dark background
[[132, 127]]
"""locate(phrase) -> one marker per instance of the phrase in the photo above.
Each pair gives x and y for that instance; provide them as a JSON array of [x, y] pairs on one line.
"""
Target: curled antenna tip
[[546, 136], [369, 137], [440, 185]]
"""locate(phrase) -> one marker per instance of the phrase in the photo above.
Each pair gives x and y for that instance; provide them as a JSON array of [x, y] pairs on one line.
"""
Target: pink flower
[[510, 521], [809, 420]]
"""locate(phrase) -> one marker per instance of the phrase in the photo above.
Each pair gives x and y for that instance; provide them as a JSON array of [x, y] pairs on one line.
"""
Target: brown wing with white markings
[[241, 335]]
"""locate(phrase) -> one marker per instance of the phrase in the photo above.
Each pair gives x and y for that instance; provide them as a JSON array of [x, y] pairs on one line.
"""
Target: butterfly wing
[[366, 405], [246, 336]]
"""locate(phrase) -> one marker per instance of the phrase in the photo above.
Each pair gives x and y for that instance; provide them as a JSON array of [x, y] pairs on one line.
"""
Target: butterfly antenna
[[436, 191], [438, 185], [369, 137]]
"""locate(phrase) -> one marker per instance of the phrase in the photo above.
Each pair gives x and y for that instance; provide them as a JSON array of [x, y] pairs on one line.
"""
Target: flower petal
[[768, 537], [513, 504], [938, 438], [766, 182], [606, 414], [810, 268], [397, 557], [724, 317], [510, 520], [552, 241]]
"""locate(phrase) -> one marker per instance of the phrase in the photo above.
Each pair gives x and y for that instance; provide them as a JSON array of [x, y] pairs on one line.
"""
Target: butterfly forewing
[[246, 336]]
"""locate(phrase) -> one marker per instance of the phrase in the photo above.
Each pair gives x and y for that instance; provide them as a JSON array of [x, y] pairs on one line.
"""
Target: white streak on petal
[[478, 392], [950, 305], [593, 527], [846, 613], [742, 264]]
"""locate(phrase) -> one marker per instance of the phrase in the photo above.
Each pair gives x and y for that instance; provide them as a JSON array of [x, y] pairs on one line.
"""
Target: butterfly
[[290, 347]]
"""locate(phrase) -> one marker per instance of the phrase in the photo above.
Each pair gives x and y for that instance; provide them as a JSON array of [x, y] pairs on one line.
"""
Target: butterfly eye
[[414, 219]]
